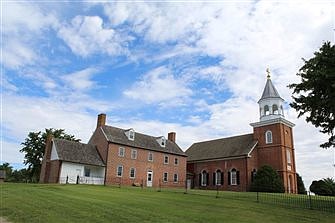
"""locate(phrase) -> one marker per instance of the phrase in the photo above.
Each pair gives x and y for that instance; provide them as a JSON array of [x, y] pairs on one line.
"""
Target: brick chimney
[[172, 136], [101, 120], [45, 168]]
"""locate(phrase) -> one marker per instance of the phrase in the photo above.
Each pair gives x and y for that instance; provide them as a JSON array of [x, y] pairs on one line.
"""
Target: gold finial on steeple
[[268, 72]]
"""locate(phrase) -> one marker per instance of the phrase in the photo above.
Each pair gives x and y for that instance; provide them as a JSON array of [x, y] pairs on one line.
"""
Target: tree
[[300, 184], [34, 147], [267, 180], [317, 91], [8, 170], [324, 187]]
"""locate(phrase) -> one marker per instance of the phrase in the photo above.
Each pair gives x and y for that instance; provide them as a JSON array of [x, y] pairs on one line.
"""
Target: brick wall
[[142, 165], [225, 166], [99, 140]]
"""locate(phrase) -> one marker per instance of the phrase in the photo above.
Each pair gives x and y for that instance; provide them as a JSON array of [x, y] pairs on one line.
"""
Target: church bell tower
[[274, 135]]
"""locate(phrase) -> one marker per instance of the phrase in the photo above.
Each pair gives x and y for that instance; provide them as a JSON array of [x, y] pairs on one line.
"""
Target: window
[[253, 174], [175, 178], [121, 152], [288, 157], [176, 161], [166, 160], [150, 156], [119, 170], [165, 177], [275, 109], [131, 134], [268, 137], [233, 177], [218, 178], [133, 153], [132, 172], [87, 171], [163, 142], [203, 178], [266, 110]]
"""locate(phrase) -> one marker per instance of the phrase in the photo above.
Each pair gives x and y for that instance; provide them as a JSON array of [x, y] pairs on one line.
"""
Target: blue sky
[[191, 67]]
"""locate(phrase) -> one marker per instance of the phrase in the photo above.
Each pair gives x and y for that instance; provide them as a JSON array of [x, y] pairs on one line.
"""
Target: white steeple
[[270, 104]]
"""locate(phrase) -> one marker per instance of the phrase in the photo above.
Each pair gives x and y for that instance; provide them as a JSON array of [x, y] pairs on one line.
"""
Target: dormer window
[[130, 134], [161, 141]]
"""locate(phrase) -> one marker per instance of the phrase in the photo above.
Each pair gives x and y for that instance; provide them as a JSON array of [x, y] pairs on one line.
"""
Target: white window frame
[[288, 157], [233, 177], [165, 178], [133, 154], [132, 168], [175, 178], [218, 177], [176, 161], [131, 135], [117, 170], [268, 137], [152, 157], [121, 154], [166, 162]]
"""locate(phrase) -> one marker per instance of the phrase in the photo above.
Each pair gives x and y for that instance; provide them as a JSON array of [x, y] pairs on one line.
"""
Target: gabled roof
[[77, 152], [231, 147], [269, 90], [117, 135]]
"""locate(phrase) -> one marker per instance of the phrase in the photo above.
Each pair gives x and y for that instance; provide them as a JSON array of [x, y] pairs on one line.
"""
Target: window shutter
[[229, 178], [222, 178], [200, 179], [214, 179], [252, 176], [238, 177], [207, 179]]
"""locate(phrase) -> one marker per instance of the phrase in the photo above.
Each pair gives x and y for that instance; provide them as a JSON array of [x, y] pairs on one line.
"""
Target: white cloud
[[80, 80], [159, 86], [87, 35]]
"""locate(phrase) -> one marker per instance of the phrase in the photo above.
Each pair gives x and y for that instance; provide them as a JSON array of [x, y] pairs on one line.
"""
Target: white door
[[149, 178]]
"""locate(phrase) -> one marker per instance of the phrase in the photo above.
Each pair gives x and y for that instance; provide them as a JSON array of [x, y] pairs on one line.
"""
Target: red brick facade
[[142, 165]]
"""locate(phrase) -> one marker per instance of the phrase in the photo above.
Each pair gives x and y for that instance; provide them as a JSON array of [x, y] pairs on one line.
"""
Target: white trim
[[54, 153], [152, 156], [174, 179], [124, 151], [270, 139], [231, 177], [103, 132], [134, 173], [131, 154], [252, 149], [117, 170], [167, 177], [167, 159], [273, 121]]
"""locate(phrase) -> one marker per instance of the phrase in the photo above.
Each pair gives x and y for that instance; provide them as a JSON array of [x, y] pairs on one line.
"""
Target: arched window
[[281, 110], [266, 110], [268, 137], [204, 178], [234, 177], [218, 178], [275, 109], [253, 174]]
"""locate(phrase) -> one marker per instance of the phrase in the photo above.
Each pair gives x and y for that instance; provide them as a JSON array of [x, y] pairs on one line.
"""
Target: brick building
[[115, 156], [230, 163]]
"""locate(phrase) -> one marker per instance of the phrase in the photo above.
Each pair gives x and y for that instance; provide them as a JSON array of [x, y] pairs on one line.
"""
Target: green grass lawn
[[86, 203]]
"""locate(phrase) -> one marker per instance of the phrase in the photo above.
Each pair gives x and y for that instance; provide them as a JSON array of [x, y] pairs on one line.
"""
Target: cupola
[[270, 104]]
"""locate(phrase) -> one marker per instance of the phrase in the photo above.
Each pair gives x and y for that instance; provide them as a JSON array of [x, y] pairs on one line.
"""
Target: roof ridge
[[229, 137]]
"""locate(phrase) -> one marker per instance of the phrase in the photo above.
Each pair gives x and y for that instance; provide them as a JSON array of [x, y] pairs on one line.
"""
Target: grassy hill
[[86, 203]]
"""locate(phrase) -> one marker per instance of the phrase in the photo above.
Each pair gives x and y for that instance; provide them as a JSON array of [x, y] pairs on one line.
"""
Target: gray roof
[[117, 135], [269, 90], [231, 147], [77, 152]]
